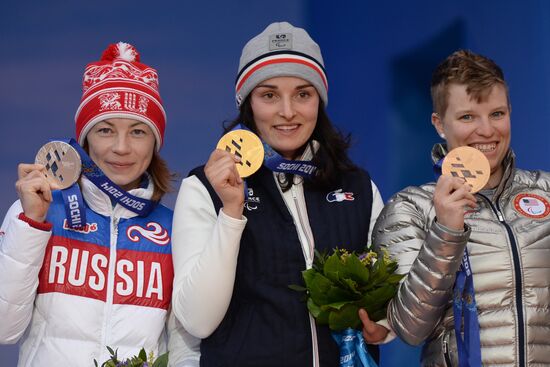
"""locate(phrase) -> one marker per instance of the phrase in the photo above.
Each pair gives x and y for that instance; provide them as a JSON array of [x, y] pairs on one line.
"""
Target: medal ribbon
[[353, 351], [276, 163], [76, 215], [74, 206], [464, 307]]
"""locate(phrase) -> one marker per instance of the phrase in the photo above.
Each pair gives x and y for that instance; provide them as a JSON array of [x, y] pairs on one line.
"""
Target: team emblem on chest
[[532, 206], [252, 201], [339, 196], [154, 233]]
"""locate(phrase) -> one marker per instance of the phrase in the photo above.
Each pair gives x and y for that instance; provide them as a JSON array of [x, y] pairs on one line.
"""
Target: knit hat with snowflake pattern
[[120, 86]]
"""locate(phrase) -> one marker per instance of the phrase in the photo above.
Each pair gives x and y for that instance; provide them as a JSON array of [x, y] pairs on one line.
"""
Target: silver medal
[[62, 162]]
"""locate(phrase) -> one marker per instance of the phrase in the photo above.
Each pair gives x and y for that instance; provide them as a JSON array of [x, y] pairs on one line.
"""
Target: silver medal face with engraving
[[62, 162]]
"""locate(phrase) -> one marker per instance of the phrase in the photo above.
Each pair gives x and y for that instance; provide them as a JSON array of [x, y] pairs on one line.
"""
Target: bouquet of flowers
[[141, 360], [341, 283]]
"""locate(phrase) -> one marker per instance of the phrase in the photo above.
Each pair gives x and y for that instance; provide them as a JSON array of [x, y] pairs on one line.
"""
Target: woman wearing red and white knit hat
[[67, 292]]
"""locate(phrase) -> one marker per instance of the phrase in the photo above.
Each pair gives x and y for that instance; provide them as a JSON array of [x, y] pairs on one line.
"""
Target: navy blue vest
[[267, 323]]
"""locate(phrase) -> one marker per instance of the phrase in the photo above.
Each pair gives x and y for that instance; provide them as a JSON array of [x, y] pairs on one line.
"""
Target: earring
[[442, 136]]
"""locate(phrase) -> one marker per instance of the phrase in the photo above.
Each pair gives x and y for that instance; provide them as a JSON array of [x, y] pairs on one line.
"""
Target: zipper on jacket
[[308, 255], [308, 252], [517, 277], [110, 286], [446, 351]]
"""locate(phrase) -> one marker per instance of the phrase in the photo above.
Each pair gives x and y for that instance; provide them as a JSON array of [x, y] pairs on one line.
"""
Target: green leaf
[[344, 318], [313, 308], [298, 288], [319, 260], [395, 278], [113, 353], [142, 355], [337, 294], [161, 361], [392, 267], [351, 285], [375, 302], [334, 268], [356, 270], [335, 305], [317, 285], [322, 319]]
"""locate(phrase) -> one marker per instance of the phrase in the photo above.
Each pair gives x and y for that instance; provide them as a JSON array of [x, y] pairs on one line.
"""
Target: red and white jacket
[[70, 293]]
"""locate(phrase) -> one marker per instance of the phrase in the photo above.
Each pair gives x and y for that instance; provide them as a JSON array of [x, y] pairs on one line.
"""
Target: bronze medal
[[62, 162], [470, 164], [246, 145]]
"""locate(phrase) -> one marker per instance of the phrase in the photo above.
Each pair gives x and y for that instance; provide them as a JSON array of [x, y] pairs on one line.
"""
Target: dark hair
[[477, 72], [161, 176], [331, 158]]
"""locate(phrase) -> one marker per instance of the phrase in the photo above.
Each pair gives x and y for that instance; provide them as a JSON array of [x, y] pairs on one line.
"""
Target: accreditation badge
[[62, 162], [469, 164], [246, 145]]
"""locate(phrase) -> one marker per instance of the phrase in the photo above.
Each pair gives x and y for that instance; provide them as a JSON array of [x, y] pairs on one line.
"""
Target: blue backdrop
[[378, 55]]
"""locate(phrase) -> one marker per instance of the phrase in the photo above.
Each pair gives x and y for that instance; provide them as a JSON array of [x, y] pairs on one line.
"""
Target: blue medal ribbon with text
[[464, 307], [74, 206], [76, 213], [353, 351], [276, 163]]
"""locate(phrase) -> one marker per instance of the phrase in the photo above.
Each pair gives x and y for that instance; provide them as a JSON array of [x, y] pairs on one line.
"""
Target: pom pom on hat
[[119, 86], [121, 50]]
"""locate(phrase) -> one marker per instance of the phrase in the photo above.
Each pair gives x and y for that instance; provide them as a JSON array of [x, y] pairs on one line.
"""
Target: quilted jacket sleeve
[[22, 250], [428, 253]]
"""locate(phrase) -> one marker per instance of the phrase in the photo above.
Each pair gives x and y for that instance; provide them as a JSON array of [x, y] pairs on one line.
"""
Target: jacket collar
[[100, 203], [439, 151]]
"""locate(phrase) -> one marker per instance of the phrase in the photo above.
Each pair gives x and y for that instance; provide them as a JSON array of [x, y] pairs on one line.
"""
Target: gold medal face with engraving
[[467, 163], [246, 145], [62, 163]]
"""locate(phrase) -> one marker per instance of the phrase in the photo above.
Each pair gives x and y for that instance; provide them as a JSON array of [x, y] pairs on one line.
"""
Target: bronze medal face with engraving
[[467, 163], [62, 162], [246, 145]]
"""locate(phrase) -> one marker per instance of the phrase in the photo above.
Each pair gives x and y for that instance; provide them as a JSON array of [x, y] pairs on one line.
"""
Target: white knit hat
[[280, 50]]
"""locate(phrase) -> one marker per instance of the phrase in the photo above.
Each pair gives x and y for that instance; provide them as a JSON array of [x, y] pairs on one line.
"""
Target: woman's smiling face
[[285, 111]]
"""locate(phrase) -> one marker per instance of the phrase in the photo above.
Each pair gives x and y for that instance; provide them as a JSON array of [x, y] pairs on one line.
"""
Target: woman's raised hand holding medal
[[57, 166], [465, 171], [451, 195], [221, 172], [238, 154], [34, 190]]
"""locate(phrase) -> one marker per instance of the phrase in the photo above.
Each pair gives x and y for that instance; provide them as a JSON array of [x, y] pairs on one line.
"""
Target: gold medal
[[62, 163], [467, 163], [246, 145]]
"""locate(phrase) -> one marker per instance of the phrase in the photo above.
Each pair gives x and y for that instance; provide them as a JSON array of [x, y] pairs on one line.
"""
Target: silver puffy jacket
[[508, 239]]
